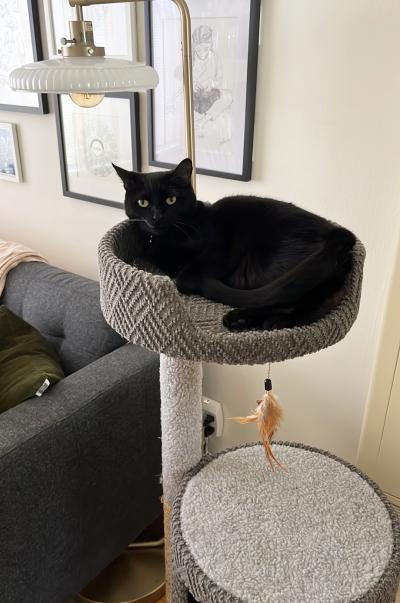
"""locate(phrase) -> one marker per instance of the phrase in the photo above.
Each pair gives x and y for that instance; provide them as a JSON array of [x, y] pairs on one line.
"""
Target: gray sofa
[[79, 467]]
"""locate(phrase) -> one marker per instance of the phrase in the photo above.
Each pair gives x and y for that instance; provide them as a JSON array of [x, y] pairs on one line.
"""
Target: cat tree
[[146, 309]]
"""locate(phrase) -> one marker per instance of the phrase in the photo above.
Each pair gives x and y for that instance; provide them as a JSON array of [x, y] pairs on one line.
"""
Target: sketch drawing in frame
[[114, 26], [90, 140], [225, 37], [10, 163], [20, 43]]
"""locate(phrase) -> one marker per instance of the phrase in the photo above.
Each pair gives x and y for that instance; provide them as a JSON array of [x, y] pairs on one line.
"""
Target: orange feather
[[268, 416]]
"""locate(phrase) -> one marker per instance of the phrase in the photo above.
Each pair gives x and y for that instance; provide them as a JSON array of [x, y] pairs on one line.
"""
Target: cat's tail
[[330, 261]]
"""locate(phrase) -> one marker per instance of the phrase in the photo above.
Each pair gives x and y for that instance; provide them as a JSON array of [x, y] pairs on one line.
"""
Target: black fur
[[279, 265]]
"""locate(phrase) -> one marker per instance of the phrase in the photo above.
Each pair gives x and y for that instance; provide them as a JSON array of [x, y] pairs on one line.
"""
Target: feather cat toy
[[268, 416]]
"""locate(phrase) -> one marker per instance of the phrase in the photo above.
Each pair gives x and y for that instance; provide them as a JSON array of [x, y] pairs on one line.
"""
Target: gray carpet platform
[[319, 532], [147, 309]]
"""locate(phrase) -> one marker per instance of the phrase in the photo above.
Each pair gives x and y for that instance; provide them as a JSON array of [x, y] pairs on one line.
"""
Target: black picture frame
[[37, 50], [250, 103], [136, 147]]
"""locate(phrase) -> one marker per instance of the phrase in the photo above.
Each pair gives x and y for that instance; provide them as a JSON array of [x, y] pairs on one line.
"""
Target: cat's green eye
[[170, 200], [143, 203]]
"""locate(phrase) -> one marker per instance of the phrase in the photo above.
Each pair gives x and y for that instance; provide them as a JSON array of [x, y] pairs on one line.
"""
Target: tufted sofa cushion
[[65, 308]]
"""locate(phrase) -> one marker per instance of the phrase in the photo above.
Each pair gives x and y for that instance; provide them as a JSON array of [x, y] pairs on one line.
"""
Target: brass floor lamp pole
[[186, 62], [83, 34]]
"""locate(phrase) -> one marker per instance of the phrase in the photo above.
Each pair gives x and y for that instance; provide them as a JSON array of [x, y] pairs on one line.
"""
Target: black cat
[[279, 265]]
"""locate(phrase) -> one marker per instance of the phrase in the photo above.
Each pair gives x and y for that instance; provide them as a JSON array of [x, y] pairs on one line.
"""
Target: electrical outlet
[[214, 408]]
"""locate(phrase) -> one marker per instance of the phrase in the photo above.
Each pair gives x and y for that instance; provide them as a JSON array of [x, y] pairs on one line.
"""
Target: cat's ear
[[128, 178], [183, 171]]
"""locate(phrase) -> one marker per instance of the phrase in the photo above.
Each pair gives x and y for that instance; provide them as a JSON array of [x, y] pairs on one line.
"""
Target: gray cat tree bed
[[146, 308]]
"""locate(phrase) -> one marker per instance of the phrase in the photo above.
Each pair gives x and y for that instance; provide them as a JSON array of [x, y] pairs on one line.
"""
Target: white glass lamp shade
[[95, 75]]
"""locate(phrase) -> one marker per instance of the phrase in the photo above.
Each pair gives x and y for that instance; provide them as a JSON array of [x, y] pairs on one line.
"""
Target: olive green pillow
[[26, 361]]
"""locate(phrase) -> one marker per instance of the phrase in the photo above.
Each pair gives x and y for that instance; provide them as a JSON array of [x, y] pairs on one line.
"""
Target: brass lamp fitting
[[81, 42]]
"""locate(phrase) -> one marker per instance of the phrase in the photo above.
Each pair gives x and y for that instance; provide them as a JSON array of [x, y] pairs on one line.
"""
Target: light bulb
[[86, 100]]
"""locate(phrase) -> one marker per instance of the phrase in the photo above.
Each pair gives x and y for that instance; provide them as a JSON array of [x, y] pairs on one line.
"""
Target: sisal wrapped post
[[181, 431]]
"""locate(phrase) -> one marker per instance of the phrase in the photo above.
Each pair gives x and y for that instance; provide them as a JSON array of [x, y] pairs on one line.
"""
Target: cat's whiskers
[[189, 225], [181, 229], [140, 220]]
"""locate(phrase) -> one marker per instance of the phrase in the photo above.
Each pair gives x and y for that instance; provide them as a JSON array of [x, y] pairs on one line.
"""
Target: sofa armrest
[[109, 378], [79, 475]]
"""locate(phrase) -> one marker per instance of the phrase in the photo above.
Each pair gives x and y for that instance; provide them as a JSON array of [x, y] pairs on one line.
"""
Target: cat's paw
[[187, 286], [240, 320]]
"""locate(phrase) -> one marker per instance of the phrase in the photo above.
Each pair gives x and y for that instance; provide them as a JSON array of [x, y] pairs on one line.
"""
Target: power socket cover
[[214, 408]]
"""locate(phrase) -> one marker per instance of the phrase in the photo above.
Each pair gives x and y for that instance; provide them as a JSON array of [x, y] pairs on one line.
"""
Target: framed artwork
[[90, 140], [20, 43], [225, 37], [10, 164], [113, 26]]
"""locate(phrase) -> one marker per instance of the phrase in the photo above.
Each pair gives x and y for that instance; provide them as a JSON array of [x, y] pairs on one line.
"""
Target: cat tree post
[[181, 428]]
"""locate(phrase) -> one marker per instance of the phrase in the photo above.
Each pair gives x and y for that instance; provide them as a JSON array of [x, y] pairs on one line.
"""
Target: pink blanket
[[12, 254]]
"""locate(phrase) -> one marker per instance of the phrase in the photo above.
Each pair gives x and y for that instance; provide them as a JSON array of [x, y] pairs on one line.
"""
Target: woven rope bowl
[[319, 532], [147, 309]]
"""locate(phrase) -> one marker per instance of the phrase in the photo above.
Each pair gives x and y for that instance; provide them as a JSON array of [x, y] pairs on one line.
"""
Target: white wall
[[328, 138]]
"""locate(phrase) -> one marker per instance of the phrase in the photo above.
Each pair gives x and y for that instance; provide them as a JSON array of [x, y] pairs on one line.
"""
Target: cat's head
[[160, 199]]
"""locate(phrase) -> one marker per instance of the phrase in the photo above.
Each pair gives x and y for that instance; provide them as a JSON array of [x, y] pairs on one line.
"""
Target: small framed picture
[[225, 38], [114, 26], [90, 140], [20, 43], [10, 164]]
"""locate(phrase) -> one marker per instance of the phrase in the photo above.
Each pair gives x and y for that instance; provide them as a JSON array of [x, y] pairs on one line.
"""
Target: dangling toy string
[[268, 416]]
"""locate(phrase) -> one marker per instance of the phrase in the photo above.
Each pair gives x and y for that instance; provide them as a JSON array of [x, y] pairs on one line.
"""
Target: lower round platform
[[136, 576], [318, 532]]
